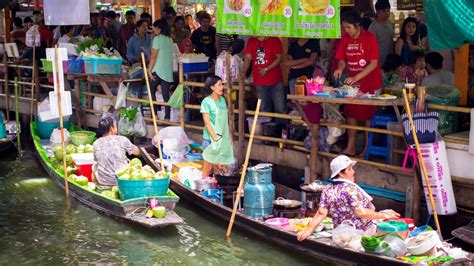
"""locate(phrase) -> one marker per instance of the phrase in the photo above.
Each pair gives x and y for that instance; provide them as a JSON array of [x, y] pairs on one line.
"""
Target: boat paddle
[[422, 163], [61, 129], [153, 115], [244, 170]]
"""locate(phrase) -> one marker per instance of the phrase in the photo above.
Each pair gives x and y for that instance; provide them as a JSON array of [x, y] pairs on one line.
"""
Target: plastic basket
[[76, 65], [82, 137], [195, 67], [130, 189], [103, 66], [45, 129], [48, 66], [168, 201]]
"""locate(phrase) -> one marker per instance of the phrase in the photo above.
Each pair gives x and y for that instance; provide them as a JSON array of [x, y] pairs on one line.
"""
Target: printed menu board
[[282, 18]]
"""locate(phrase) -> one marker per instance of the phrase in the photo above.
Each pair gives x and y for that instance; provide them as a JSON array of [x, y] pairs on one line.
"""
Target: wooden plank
[[465, 233], [356, 101], [314, 153]]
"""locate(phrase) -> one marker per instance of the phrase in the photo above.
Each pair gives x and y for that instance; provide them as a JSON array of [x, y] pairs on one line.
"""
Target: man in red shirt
[[266, 54], [126, 32], [358, 50]]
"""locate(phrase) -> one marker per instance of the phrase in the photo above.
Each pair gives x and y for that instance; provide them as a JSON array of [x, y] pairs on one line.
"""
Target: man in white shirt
[[382, 28], [437, 76]]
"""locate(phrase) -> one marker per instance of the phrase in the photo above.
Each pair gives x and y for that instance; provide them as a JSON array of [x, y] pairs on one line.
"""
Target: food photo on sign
[[313, 7]]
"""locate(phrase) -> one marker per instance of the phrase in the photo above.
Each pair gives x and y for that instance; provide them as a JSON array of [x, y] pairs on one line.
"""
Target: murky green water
[[37, 228]]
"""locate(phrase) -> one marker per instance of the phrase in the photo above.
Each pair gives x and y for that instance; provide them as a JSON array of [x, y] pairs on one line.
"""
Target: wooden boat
[[321, 248], [128, 210]]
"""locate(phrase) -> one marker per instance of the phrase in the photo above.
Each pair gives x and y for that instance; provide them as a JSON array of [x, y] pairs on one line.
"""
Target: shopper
[[410, 39], [436, 74], [204, 38], [160, 67], [139, 43], [382, 28], [180, 33], [126, 32]]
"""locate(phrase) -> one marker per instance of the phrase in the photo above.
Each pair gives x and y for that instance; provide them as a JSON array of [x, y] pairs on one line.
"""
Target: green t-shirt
[[212, 107], [164, 61]]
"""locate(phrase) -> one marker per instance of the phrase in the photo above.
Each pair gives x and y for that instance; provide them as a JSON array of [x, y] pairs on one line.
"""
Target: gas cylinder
[[259, 192]]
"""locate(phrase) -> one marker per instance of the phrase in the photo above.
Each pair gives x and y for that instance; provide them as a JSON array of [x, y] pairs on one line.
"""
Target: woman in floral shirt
[[345, 200]]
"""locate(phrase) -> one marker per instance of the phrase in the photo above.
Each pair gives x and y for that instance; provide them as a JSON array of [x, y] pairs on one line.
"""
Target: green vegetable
[[130, 113], [370, 243], [88, 43]]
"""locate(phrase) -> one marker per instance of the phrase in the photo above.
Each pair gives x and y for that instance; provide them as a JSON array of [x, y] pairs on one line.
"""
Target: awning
[[450, 23]]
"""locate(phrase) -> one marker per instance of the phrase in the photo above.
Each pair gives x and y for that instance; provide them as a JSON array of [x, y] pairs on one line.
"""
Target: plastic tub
[[76, 65], [195, 67], [45, 129], [48, 66], [212, 194], [278, 222], [82, 137], [194, 157], [103, 66], [401, 228], [130, 189]]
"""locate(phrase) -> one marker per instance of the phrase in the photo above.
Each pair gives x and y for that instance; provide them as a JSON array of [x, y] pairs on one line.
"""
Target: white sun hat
[[340, 163]]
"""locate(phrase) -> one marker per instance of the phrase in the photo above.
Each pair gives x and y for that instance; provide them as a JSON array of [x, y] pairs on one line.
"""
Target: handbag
[[426, 126]]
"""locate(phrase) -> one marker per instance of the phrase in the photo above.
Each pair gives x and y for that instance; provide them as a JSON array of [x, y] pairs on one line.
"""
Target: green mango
[[70, 149], [72, 177], [69, 160], [58, 154], [125, 176], [82, 180], [136, 175], [122, 171]]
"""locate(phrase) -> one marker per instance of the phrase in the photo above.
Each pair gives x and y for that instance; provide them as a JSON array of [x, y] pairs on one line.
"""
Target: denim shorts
[[205, 143]]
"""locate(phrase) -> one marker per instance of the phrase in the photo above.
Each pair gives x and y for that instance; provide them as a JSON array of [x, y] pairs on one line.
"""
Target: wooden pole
[[6, 86], [61, 129], [17, 117], [461, 66], [229, 94], [422, 163], [314, 153], [33, 85], [244, 171], [182, 111], [240, 148], [153, 115], [6, 24]]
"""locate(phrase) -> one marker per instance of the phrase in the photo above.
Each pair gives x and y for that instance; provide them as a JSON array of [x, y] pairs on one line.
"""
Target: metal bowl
[[286, 203]]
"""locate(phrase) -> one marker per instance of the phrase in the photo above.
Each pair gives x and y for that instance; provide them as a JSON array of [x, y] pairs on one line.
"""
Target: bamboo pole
[[241, 125], [422, 163], [33, 85], [6, 87], [182, 111], [153, 115], [17, 118], [61, 129], [244, 171]]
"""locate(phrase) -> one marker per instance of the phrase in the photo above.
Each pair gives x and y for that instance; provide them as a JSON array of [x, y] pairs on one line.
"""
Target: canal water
[[36, 227]]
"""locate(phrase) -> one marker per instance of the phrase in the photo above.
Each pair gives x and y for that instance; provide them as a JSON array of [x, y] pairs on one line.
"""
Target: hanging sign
[[281, 18], [410, 5], [66, 12]]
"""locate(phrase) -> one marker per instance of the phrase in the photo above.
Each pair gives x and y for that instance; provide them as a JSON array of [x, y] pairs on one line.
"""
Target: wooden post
[[314, 152], [242, 106], [6, 86], [33, 85], [156, 9], [182, 111], [230, 107], [6, 24], [461, 66]]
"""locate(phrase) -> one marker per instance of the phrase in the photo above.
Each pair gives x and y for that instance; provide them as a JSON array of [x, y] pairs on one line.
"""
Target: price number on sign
[[288, 12], [330, 12], [248, 11]]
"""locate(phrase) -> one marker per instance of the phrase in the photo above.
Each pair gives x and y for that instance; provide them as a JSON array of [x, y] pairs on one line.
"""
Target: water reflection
[[36, 227]]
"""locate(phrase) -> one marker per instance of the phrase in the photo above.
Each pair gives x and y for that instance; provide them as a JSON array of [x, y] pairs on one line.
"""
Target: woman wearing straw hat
[[345, 200]]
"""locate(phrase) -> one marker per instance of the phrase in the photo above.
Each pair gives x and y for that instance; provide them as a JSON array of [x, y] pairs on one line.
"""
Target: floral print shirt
[[341, 200]]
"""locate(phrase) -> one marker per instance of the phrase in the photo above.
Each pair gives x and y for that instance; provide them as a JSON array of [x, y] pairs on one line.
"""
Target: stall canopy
[[450, 23]]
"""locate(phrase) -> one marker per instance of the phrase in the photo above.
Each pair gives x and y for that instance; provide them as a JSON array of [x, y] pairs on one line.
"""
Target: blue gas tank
[[3, 130], [259, 192]]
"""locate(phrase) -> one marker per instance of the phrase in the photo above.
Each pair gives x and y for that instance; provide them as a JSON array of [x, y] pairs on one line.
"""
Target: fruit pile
[[71, 149], [136, 171]]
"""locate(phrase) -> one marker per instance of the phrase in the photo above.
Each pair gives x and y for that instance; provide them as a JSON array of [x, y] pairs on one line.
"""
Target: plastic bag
[[122, 96], [392, 246], [174, 132], [33, 38], [140, 126], [56, 137], [126, 127], [188, 175], [111, 113], [346, 235], [176, 99]]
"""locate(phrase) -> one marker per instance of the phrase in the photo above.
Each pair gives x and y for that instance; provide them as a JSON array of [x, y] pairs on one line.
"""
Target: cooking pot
[[203, 184], [281, 203]]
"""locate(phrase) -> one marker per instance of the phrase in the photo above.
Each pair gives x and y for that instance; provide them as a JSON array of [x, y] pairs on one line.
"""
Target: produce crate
[[76, 66], [130, 189], [195, 67], [103, 66], [48, 66], [168, 201]]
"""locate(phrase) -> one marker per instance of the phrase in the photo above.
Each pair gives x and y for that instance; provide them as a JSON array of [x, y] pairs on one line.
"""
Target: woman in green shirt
[[217, 141], [160, 68]]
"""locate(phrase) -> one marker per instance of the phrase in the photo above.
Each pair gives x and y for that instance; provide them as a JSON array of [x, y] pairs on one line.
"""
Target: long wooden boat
[[321, 248], [127, 210]]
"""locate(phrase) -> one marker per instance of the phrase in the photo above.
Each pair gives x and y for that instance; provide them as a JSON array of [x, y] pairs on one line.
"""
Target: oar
[[155, 126], [422, 163], [17, 118], [61, 129], [244, 170]]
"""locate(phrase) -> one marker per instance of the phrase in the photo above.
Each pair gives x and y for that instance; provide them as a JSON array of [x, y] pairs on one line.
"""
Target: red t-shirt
[[46, 35], [264, 54], [358, 53]]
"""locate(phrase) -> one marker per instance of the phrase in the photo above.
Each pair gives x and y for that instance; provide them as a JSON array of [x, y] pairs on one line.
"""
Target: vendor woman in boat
[[217, 141], [110, 152], [344, 200]]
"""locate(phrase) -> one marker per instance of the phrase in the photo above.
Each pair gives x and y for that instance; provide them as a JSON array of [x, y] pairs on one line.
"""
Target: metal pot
[[203, 184], [286, 203]]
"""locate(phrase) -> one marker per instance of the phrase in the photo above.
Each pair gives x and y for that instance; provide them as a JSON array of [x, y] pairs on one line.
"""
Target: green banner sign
[[282, 18]]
